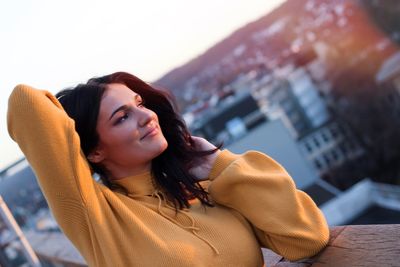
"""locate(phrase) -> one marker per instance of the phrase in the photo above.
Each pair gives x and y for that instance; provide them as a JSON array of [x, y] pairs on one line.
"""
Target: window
[[335, 155], [308, 147], [334, 132], [316, 142], [325, 137], [317, 164], [343, 148], [327, 159]]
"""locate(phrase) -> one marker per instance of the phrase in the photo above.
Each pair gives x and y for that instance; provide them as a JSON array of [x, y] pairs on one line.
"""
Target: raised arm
[[47, 137], [285, 219]]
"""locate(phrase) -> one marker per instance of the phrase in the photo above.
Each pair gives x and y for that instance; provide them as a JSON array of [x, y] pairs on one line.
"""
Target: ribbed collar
[[138, 185], [142, 185]]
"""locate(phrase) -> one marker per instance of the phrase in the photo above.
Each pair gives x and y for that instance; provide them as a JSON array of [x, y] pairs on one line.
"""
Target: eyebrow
[[124, 107]]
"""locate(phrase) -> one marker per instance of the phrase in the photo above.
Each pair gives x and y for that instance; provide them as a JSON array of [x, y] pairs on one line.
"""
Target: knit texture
[[257, 203]]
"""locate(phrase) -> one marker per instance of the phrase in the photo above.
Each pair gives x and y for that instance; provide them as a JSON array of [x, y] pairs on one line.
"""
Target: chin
[[163, 145]]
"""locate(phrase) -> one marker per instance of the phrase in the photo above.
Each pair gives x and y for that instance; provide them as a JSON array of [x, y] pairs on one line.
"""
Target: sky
[[56, 44]]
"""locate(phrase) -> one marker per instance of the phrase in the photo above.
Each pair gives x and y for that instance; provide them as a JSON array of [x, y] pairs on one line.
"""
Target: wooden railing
[[353, 245]]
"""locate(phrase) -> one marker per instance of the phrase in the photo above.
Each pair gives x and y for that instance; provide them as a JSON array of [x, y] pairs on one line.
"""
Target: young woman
[[165, 198]]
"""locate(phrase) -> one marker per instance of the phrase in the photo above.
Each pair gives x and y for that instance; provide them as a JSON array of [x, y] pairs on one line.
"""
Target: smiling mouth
[[152, 132]]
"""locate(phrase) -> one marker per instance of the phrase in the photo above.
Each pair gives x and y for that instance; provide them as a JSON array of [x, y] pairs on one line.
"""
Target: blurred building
[[328, 146], [308, 99], [388, 79], [21, 192], [230, 119], [294, 95], [390, 72], [273, 139], [366, 202], [299, 94], [54, 249]]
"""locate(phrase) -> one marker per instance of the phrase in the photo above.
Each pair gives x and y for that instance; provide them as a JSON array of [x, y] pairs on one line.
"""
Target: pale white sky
[[54, 44]]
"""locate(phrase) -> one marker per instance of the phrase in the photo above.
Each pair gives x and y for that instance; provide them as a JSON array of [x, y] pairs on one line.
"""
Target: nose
[[145, 116]]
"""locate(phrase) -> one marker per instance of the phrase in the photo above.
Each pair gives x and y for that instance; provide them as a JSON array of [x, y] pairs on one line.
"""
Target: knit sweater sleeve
[[47, 137], [285, 219]]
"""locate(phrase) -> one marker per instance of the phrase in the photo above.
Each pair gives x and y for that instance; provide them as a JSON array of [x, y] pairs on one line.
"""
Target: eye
[[122, 118]]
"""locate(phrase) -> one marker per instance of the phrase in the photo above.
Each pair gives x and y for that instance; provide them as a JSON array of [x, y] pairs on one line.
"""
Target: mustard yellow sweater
[[257, 202]]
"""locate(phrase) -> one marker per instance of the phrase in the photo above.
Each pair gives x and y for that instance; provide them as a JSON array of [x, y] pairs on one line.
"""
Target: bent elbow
[[309, 246]]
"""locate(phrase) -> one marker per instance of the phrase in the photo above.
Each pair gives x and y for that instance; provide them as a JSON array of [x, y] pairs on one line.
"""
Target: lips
[[150, 132]]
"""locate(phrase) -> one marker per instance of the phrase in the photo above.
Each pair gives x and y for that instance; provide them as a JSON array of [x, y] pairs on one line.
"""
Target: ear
[[96, 156]]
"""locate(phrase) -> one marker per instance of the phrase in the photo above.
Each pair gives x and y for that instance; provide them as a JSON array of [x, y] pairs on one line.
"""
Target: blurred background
[[314, 84]]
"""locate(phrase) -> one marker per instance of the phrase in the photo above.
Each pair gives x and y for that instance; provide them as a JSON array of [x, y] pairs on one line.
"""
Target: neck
[[117, 172]]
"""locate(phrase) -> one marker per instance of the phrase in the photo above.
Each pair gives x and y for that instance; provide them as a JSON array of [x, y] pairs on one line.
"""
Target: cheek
[[122, 147], [120, 137]]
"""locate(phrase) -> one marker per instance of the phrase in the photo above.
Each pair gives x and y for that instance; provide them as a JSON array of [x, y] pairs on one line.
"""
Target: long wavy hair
[[170, 170]]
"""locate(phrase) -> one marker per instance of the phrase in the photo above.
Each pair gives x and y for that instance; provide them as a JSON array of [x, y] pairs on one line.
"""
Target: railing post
[[12, 225]]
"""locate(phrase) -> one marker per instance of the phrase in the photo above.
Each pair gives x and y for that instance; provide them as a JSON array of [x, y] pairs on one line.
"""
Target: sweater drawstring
[[192, 228]]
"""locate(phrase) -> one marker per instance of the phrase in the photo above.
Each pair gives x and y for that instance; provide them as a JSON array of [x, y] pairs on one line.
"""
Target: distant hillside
[[337, 30], [214, 55]]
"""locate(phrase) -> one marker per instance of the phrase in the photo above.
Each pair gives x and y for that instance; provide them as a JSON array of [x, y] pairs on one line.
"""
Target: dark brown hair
[[170, 170]]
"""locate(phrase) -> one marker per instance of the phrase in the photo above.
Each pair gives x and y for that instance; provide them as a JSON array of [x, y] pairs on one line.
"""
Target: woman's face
[[130, 135]]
